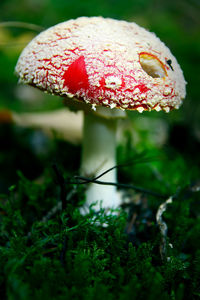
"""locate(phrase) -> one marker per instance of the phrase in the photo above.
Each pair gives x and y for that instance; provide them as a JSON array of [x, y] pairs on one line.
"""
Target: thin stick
[[127, 164], [163, 226], [120, 185], [24, 25], [61, 182]]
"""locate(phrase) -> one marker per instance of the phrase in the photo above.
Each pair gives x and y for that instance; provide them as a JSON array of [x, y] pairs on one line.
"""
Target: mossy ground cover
[[47, 252]]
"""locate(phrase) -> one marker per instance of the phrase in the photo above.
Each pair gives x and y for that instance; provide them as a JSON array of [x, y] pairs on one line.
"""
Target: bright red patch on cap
[[76, 77]]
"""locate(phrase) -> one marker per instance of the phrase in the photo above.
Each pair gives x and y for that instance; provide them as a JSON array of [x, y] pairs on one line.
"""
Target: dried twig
[[24, 25], [84, 180], [61, 182], [132, 222], [64, 197], [163, 226], [127, 164], [52, 212]]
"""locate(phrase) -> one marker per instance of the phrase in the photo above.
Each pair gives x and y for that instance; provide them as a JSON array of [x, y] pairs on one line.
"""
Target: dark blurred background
[[176, 23]]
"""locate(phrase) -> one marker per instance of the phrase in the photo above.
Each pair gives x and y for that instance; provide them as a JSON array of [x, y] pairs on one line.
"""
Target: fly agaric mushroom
[[104, 67]]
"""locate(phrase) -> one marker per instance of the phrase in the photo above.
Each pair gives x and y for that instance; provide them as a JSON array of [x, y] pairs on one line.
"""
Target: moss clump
[[64, 255]]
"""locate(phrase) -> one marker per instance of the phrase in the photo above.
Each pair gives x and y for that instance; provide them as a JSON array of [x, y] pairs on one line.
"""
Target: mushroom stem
[[98, 155]]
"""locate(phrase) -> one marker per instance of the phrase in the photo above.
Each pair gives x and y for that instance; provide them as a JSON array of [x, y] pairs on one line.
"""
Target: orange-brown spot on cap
[[152, 65], [76, 77]]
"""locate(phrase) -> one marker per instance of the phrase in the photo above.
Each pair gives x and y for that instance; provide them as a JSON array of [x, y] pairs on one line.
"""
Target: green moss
[[70, 256]]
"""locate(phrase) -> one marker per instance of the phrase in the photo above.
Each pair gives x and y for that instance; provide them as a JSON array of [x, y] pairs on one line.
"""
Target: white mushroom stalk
[[103, 63], [99, 155]]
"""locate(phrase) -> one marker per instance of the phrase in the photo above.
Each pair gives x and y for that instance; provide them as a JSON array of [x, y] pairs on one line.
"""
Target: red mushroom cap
[[104, 62]]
